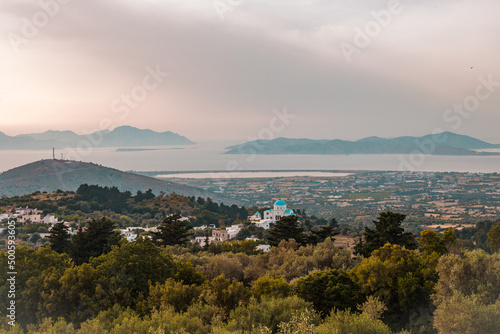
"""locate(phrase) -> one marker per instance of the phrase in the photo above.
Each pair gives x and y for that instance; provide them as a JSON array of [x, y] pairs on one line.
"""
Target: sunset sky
[[231, 63]]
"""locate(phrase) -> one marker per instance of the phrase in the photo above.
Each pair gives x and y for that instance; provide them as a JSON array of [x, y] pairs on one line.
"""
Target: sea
[[210, 157]]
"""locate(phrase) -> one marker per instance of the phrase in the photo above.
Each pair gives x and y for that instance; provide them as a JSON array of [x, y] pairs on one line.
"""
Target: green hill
[[51, 175], [446, 143]]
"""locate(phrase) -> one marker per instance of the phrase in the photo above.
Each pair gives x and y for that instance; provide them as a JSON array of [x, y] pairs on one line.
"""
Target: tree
[[248, 247], [267, 287], [126, 272], [174, 293], [373, 307], [467, 314], [402, 279], [172, 231], [346, 322], [493, 240], [70, 294], [430, 242], [334, 224], [476, 236], [387, 230], [328, 290], [59, 238], [35, 237], [200, 201], [285, 229], [324, 232], [95, 240], [469, 273], [268, 313], [36, 270], [225, 294], [449, 237]]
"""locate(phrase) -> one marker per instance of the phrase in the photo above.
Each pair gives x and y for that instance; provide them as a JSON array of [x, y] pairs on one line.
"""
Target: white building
[[265, 223], [257, 216], [50, 219], [233, 231], [264, 248], [271, 216], [27, 215], [278, 211], [220, 235], [28, 218], [202, 240]]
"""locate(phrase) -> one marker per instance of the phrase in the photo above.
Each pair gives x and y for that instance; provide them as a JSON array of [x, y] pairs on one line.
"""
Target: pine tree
[[285, 229], [172, 231], [493, 240], [59, 238], [327, 231], [97, 239], [387, 230]]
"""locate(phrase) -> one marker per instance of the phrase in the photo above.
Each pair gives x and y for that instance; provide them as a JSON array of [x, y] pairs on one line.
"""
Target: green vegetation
[[493, 238], [96, 282], [94, 202], [60, 238], [172, 231], [285, 229], [387, 230], [95, 239], [366, 195], [329, 290]]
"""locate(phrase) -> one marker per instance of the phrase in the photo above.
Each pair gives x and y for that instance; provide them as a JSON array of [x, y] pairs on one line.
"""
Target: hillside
[[50, 175], [124, 136], [447, 143]]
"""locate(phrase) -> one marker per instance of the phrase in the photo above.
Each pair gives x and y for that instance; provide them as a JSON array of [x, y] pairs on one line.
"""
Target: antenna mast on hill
[[53, 153]]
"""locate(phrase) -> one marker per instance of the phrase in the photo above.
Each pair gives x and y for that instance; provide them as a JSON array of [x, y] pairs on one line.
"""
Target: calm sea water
[[210, 157], [248, 175]]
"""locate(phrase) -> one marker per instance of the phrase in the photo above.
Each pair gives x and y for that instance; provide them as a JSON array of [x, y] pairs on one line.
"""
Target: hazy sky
[[340, 69]]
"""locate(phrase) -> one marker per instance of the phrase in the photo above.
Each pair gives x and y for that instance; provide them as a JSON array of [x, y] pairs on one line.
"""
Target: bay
[[209, 156]]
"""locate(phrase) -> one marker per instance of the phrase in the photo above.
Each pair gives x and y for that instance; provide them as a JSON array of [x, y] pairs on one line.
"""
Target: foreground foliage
[[140, 287]]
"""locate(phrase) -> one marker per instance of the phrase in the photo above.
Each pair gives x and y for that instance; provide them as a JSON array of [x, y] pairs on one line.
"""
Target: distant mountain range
[[446, 143], [50, 175], [124, 136]]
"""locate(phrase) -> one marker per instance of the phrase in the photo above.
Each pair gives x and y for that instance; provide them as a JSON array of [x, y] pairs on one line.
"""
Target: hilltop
[[123, 136], [51, 175], [446, 143]]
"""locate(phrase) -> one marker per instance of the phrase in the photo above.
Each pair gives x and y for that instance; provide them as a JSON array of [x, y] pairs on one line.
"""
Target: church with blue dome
[[278, 211]]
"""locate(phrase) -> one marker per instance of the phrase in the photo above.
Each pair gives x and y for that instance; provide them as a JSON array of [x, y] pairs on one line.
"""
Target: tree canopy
[[285, 229], [60, 238], [493, 239], [172, 231], [95, 239], [387, 230], [328, 290]]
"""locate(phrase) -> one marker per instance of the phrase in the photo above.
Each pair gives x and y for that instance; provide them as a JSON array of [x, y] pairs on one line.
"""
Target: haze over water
[[210, 156]]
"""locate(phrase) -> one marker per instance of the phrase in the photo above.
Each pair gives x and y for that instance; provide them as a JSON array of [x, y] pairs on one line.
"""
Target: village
[[427, 198], [430, 200], [32, 216]]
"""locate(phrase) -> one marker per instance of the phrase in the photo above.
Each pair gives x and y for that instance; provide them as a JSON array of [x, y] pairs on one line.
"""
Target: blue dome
[[280, 202]]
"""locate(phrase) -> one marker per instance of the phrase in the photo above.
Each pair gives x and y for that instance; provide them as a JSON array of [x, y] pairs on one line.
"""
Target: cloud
[[225, 77]]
